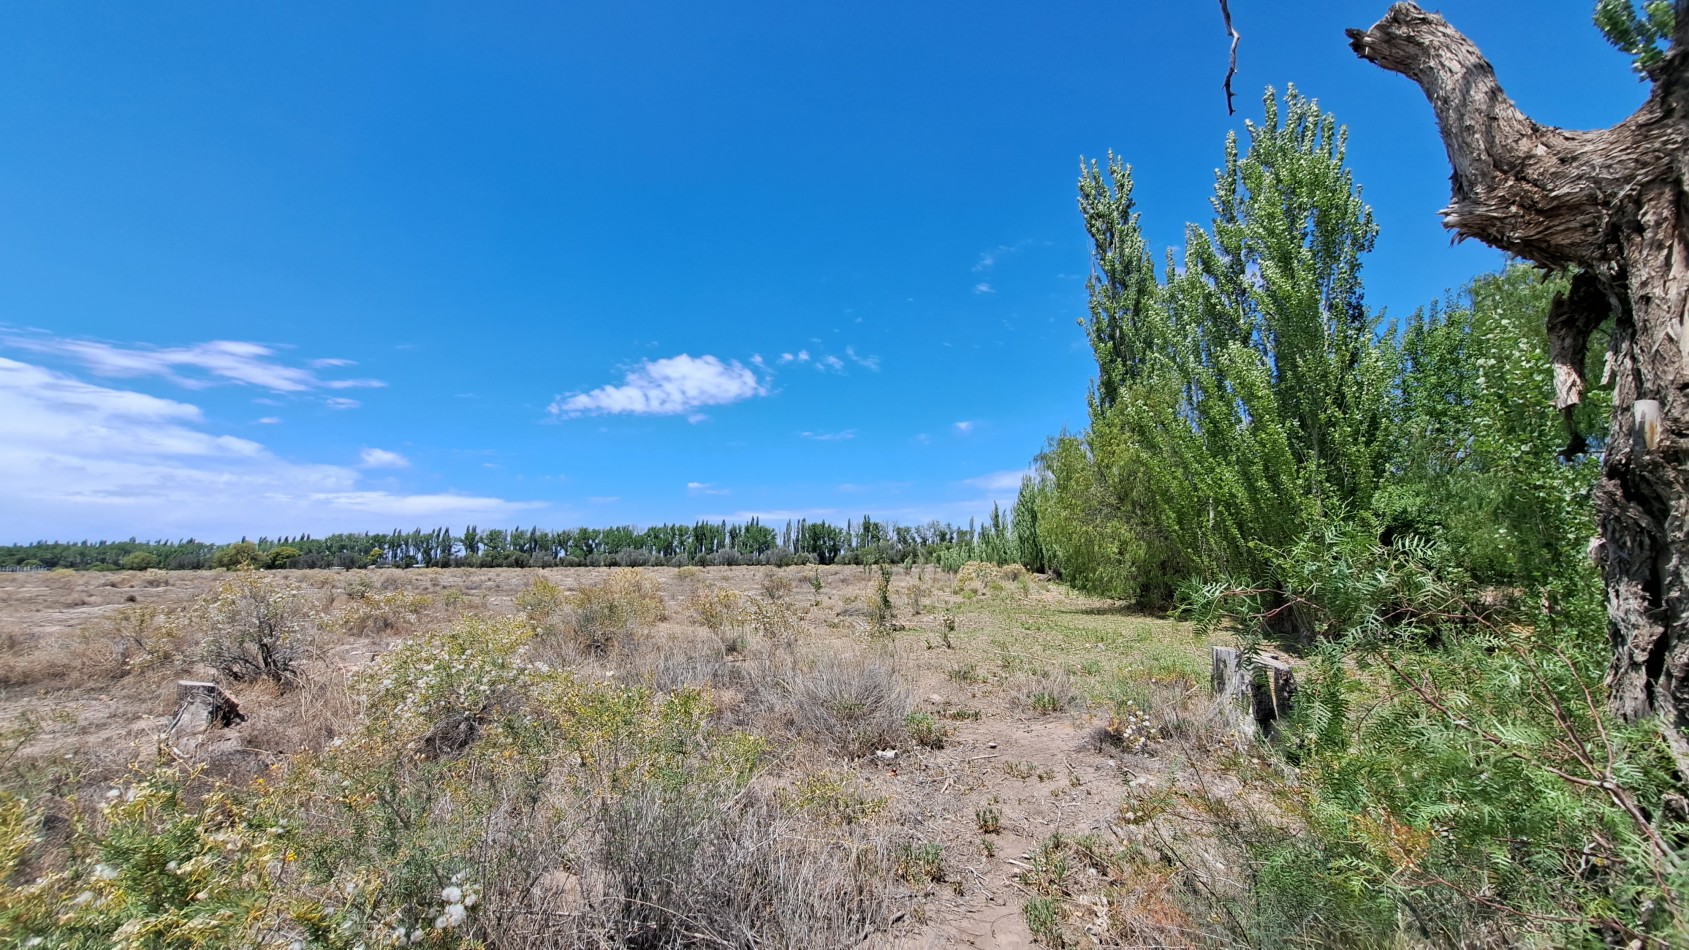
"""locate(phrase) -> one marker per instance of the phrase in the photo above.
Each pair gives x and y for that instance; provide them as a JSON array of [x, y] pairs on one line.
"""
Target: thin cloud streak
[[220, 361]]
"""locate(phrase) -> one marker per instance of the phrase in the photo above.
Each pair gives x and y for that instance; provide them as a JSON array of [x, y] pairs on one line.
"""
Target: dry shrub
[[776, 585], [1143, 910], [723, 612], [975, 577], [135, 639], [776, 622], [594, 620], [610, 612], [850, 702], [378, 613], [256, 628]]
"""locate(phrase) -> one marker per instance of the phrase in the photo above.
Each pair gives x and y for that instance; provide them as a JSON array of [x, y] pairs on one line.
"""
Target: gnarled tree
[[1611, 207]]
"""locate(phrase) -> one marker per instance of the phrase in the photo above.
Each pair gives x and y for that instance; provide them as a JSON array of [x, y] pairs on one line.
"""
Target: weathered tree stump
[[1259, 688], [201, 707]]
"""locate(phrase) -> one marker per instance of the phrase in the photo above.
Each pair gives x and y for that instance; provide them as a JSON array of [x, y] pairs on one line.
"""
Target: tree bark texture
[[1611, 205]]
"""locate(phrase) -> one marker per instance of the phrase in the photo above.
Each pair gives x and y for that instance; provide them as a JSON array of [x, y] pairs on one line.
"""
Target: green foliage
[[163, 868], [1477, 424], [140, 561], [1644, 34], [281, 557], [1241, 399], [238, 555], [880, 612]]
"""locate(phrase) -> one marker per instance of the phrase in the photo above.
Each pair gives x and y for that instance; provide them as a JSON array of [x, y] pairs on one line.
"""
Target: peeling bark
[[1611, 205]]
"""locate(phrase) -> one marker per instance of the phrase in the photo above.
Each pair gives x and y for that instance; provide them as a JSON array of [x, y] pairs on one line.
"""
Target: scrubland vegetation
[[921, 737], [797, 757]]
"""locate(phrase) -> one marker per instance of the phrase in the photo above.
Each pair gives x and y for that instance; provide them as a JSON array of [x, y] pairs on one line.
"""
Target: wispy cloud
[[772, 514], [984, 288], [270, 421], [83, 459], [966, 426], [194, 367], [339, 402], [705, 488], [381, 458], [674, 386], [830, 436], [866, 362], [998, 481], [801, 356], [830, 364], [991, 258]]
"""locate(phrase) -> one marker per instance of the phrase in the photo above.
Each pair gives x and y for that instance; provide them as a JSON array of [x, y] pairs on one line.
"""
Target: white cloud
[[381, 458], [697, 417], [81, 460], [802, 356], [705, 488], [830, 436], [866, 362], [337, 402], [830, 364], [998, 481], [673, 386], [196, 366], [965, 426], [983, 288], [270, 421]]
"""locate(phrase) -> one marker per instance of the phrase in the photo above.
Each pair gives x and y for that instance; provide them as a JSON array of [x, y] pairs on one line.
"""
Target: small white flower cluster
[[458, 898], [1131, 727]]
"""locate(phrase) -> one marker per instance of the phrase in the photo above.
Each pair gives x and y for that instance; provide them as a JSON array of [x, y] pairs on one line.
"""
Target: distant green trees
[[867, 541]]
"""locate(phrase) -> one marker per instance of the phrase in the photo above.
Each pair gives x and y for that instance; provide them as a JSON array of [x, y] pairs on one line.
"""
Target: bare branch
[[1231, 70]]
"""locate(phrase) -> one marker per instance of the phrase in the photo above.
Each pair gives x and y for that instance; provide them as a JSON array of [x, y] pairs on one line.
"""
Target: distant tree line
[[705, 543]]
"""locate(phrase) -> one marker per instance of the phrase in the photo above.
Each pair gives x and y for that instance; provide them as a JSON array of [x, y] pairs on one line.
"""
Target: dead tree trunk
[[1611, 205]]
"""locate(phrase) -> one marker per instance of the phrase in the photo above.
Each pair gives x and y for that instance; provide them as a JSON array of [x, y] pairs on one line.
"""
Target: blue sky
[[280, 268]]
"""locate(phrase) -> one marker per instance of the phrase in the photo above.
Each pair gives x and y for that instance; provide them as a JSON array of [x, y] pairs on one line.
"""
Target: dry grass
[[793, 661], [851, 702]]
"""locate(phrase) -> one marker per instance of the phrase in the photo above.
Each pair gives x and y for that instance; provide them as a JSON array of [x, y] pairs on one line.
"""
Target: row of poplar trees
[[1248, 403]]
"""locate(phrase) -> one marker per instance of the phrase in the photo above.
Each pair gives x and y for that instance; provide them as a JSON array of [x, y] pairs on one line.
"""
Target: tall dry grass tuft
[[851, 703]]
